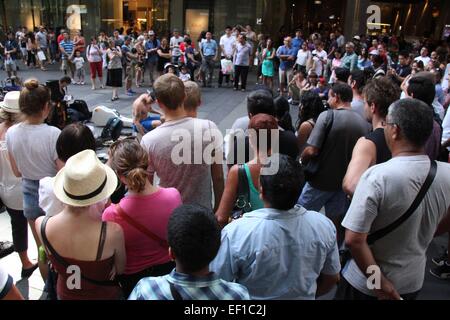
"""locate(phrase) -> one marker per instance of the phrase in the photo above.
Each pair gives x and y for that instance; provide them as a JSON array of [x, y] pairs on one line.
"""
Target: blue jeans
[[31, 209], [335, 202]]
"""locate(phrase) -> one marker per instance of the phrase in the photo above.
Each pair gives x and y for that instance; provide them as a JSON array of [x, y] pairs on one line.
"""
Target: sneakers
[[441, 272], [130, 93], [440, 260], [6, 248]]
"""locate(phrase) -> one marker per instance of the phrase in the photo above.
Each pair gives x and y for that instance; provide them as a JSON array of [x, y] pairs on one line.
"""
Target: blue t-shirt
[[209, 48], [297, 43], [149, 45], [285, 51]]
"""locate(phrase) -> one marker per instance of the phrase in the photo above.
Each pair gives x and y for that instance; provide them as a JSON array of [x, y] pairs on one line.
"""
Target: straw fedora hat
[[84, 180], [10, 102]]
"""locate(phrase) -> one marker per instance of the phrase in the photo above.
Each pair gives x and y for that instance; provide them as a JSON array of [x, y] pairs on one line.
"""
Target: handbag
[[162, 242], [345, 254], [312, 167], [242, 204]]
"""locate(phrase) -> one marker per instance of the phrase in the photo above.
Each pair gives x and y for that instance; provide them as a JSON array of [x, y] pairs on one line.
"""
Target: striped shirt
[[189, 287], [68, 48]]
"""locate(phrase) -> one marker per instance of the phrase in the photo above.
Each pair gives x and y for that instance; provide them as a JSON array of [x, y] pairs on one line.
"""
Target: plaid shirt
[[189, 287]]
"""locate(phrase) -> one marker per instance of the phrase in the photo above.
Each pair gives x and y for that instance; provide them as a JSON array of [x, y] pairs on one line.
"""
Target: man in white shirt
[[423, 56], [175, 42], [227, 43], [320, 59]]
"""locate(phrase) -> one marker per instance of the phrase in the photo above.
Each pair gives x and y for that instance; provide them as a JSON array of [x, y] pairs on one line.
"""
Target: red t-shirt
[[60, 38]]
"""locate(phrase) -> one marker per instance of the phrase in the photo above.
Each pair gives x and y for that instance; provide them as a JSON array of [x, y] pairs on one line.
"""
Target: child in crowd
[[79, 62], [184, 75], [336, 63], [170, 68]]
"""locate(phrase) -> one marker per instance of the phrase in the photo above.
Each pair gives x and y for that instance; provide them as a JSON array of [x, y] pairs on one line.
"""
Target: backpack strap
[[243, 193]]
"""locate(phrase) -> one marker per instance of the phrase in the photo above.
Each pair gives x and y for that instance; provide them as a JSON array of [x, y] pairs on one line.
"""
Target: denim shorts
[[147, 123], [30, 190], [336, 203]]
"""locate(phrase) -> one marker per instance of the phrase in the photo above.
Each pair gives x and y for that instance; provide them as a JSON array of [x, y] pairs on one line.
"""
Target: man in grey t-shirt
[[394, 266], [333, 152], [42, 40], [185, 153]]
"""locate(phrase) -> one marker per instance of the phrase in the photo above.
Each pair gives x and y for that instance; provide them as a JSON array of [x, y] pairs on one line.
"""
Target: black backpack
[[113, 129], [82, 109]]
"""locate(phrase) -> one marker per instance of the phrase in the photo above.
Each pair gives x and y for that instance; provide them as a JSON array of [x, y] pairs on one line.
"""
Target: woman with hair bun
[[32, 149], [143, 215]]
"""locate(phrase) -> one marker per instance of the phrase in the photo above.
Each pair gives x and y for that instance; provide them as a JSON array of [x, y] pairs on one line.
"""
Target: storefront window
[[135, 14]]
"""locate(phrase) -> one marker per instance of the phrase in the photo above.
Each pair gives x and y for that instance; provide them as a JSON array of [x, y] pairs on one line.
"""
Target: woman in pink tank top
[[143, 215]]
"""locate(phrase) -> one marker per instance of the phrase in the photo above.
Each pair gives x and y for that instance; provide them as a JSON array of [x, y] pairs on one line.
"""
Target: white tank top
[[10, 185]]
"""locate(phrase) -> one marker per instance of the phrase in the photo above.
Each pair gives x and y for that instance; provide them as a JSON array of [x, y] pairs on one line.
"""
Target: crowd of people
[[361, 179]]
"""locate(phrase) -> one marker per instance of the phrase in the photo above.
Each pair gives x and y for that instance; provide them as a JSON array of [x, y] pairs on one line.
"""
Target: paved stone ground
[[222, 106]]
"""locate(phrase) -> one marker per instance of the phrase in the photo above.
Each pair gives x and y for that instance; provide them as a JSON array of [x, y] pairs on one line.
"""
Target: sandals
[[26, 273]]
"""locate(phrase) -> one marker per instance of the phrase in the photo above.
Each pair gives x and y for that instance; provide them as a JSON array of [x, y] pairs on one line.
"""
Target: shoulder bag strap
[[63, 262], [243, 194], [163, 243], [397, 223]]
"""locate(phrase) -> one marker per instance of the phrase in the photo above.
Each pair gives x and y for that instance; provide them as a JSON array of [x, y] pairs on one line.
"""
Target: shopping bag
[[227, 66], [41, 56]]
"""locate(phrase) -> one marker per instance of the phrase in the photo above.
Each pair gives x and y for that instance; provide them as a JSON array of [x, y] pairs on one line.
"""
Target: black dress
[[162, 61]]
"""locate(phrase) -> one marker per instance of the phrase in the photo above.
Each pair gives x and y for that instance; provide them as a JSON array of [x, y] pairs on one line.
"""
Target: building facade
[[90, 16], [413, 18]]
